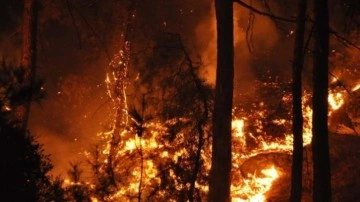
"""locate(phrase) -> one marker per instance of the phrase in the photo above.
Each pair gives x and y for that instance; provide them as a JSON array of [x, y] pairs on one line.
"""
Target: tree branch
[[74, 22], [102, 43], [338, 81], [275, 17], [200, 122], [343, 39]]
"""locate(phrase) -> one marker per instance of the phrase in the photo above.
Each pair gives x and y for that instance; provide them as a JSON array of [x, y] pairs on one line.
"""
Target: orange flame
[[252, 188], [357, 87], [336, 100]]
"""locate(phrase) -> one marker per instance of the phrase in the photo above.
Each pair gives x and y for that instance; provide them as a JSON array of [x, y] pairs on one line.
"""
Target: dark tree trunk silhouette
[[219, 181], [297, 117], [320, 143], [28, 59]]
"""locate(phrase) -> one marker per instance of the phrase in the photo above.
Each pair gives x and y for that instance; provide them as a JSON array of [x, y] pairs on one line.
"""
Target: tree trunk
[[297, 119], [320, 143], [219, 179], [28, 59]]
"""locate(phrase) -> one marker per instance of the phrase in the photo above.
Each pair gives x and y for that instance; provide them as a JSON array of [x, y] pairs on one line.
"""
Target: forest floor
[[345, 172]]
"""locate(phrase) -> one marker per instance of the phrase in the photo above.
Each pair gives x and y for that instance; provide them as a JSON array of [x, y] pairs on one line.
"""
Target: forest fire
[[251, 188], [171, 122], [335, 100], [141, 159], [144, 153], [357, 87], [255, 186]]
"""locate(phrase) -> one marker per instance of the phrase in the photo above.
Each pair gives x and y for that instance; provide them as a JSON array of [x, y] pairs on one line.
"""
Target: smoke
[[206, 44], [10, 50], [68, 120], [62, 151], [264, 36]]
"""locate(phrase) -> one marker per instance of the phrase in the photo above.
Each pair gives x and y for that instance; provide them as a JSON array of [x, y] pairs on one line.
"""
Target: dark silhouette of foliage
[[77, 191], [24, 166]]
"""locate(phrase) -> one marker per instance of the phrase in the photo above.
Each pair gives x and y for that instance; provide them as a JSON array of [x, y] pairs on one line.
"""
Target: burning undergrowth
[[163, 147]]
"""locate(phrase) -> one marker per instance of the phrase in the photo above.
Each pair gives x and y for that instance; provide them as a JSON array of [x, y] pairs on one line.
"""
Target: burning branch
[[116, 80]]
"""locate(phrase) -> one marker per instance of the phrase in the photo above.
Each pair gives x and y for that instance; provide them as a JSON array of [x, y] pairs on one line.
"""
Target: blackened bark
[[297, 119], [320, 143], [28, 59], [219, 179]]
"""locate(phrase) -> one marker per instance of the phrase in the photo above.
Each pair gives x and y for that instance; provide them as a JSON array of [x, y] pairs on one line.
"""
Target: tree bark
[[320, 143], [28, 59], [219, 179], [297, 118]]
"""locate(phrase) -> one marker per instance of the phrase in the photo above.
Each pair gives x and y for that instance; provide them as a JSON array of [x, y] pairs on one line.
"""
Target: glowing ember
[[336, 100]]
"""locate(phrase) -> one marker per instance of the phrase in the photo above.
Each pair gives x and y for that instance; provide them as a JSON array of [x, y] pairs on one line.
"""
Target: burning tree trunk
[[320, 144], [117, 80], [219, 182], [297, 118], [28, 59]]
